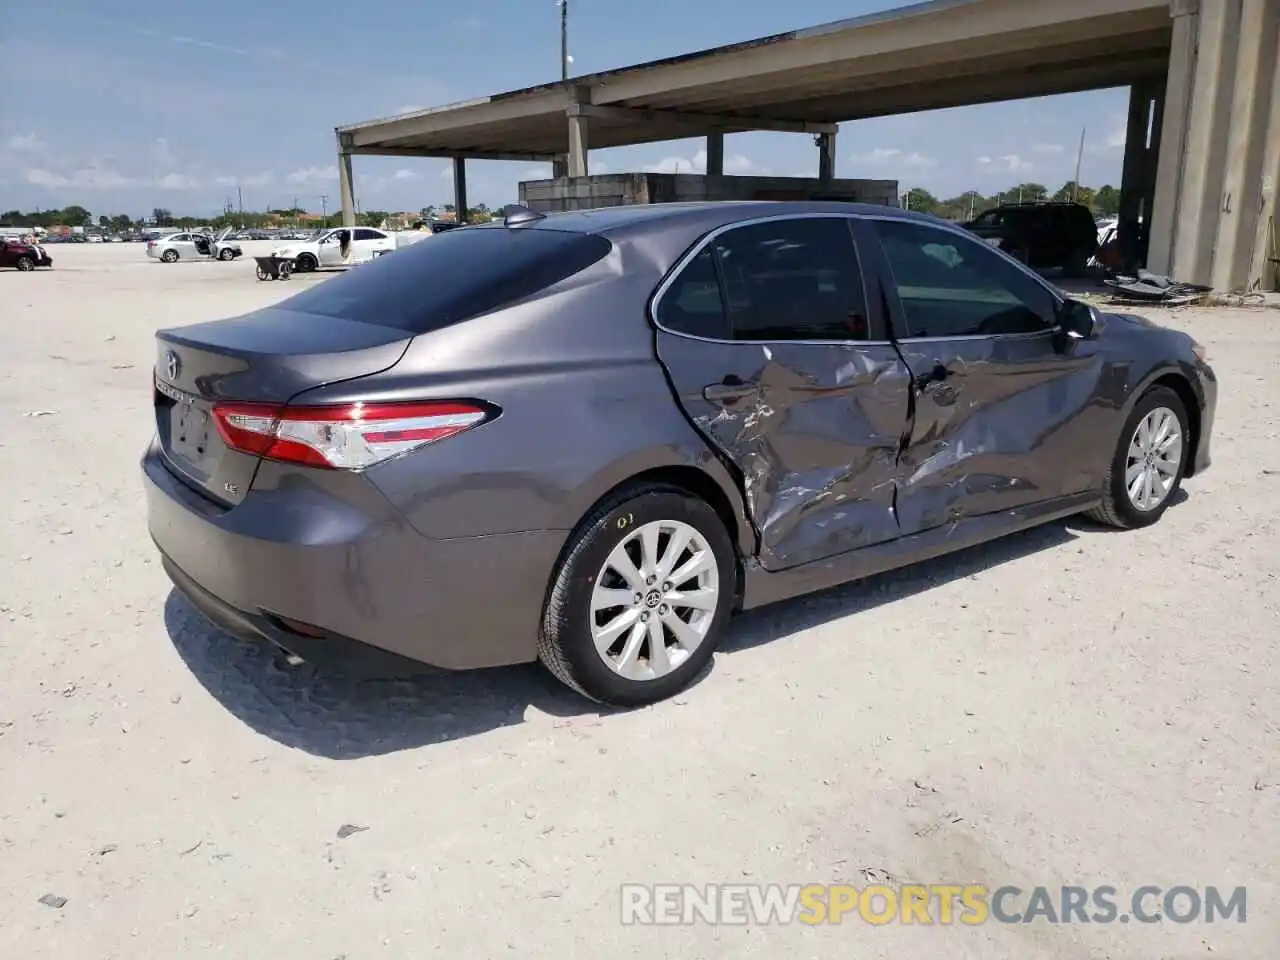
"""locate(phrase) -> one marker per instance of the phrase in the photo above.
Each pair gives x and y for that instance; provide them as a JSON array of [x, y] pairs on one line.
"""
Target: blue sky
[[136, 105]]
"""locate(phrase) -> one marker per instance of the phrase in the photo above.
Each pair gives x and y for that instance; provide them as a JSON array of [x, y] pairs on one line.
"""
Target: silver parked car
[[192, 246]]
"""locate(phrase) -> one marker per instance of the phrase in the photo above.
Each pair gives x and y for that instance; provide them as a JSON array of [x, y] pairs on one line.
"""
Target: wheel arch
[[1177, 380], [719, 494]]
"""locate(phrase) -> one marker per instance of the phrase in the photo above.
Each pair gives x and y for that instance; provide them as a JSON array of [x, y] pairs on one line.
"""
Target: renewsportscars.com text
[[943, 904]]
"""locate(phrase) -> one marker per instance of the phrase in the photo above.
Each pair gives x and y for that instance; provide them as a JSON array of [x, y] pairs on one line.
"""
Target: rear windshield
[[459, 274]]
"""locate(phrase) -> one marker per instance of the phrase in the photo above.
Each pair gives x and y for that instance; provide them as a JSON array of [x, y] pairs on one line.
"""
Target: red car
[[23, 256]]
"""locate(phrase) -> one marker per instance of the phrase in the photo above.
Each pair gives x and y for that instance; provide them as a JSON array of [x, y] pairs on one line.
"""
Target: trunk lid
[[269, 356]]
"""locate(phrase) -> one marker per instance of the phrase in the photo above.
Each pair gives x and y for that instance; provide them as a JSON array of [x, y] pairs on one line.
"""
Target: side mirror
[[1079, 320]]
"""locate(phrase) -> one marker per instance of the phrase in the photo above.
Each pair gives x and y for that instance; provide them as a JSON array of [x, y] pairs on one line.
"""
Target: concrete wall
[[618, 189], [1217, 179]]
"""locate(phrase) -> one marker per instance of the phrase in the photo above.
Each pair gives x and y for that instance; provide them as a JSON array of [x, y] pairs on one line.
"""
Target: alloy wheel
[[1154, 459], [654, 600]]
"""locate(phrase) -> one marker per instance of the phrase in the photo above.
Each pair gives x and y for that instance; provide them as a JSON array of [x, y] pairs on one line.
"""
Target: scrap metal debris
[[1155, 288], [53, 900], [348, 829]]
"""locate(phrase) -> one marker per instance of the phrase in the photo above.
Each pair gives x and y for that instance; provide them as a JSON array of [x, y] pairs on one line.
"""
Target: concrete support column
[[1263, 273], [715, 154], [1162, 224], [1204, 152], [826, 158], [577, 144], [1137, 179], [346, 189], [460, 189], [1245, 136]]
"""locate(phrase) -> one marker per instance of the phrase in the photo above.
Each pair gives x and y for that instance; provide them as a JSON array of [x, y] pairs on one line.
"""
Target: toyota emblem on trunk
[[172, 365]]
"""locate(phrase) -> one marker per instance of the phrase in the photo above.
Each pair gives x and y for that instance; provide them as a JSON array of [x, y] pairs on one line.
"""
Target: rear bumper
[[339, 559]]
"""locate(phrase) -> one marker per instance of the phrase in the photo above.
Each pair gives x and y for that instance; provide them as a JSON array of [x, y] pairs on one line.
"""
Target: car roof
[[704, 215]]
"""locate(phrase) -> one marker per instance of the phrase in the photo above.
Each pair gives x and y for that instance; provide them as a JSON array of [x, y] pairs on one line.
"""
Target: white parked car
[[343, 246], [191, 246]]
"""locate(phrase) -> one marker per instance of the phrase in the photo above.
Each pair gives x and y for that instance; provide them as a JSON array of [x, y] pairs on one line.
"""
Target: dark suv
[[1041, 235]]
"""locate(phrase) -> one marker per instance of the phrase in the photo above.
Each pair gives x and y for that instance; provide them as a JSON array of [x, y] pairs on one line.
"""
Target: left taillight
[[346, 437]]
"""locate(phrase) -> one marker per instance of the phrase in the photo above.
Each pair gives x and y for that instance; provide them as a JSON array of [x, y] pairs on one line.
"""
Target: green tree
[[1070, 191], [1027, 193], [920, 200], [1106, 201]]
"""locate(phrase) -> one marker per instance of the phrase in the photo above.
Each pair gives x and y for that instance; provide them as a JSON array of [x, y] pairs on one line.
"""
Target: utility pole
[[564, 39], [240, 198], [324, 207], [1075, 184]]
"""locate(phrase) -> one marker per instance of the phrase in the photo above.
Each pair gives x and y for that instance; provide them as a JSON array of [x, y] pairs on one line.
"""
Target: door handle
[[729, 390], [938, 374]]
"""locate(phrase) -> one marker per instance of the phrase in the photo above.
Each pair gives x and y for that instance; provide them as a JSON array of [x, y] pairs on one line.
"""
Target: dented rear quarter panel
[[584, 407]]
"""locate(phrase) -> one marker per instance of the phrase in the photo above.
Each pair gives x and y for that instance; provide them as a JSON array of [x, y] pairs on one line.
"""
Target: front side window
[[363, 233], [951, 286]]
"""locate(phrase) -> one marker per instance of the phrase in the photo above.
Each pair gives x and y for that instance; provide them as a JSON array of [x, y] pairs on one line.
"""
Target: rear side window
[[792, 279], [462, 274]]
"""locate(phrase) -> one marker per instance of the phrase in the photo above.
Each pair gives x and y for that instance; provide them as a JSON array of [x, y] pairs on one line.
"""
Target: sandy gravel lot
[[1071, 706]]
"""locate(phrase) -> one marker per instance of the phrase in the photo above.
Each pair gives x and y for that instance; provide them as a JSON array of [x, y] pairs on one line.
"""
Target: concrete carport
[[1202, 154]]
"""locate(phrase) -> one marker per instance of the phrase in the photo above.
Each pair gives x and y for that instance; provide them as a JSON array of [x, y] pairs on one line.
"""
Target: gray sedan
[[590, 438]]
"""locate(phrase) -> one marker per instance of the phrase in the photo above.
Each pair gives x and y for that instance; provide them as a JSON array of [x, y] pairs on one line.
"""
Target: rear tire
[[605, 651], [305, 263], [25, 264], [1162, 409], [169, 256]]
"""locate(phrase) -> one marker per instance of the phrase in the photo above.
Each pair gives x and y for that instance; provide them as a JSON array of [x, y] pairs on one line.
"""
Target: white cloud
[[88, 178], [886, 158], [1009, 163], [163, 155], [404, 174], [177, 181], [1118, 133], [261, 179], [25, 143], [877, 157], [310, 176], [734, 165], [1049, 148]]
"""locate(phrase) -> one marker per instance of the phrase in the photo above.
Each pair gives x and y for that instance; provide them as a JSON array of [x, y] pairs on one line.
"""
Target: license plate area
[[189, 424]]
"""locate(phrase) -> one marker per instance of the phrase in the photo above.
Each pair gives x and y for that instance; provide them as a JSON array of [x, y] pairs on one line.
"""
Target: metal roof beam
[[432, 152], [700, 122]]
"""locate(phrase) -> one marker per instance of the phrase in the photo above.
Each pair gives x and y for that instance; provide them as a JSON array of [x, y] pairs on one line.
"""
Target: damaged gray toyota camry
[[589, 438]]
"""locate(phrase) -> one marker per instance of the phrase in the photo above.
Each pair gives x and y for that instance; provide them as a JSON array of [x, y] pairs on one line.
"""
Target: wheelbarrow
[[274, 268]]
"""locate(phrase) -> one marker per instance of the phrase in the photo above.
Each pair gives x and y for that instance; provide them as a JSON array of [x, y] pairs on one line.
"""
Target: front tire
[[25, 264], [306, 263], [1149, 462], [226, 254], [640, 598]]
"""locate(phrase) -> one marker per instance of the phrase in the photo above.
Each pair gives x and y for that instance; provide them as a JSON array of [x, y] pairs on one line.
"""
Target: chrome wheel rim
[[1154, 459], [654, 600]]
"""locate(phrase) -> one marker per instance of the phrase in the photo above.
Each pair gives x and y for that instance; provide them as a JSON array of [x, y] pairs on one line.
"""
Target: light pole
[[324, 208], [565, 59]]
